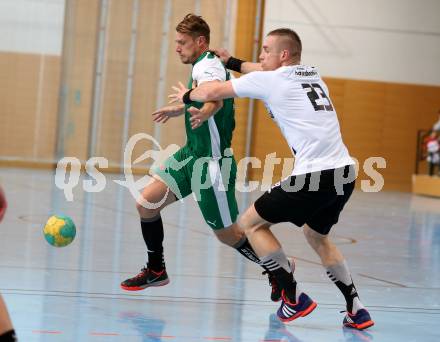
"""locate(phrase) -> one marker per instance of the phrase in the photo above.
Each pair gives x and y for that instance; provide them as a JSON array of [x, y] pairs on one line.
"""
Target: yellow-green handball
[[59, 230]]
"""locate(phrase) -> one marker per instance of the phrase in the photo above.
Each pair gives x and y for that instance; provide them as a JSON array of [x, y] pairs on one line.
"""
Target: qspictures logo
[[68, 172]]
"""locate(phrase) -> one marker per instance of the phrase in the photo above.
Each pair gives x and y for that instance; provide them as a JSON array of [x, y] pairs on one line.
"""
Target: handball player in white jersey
[[323, 176]]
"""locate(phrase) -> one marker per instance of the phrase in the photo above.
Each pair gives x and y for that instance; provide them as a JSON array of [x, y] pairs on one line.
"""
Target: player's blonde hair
[[194, 26]]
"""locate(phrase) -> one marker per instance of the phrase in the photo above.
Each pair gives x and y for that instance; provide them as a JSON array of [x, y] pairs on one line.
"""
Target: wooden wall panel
[[46, 131], [214, 13], [146, 72], [28, 101], [115, 80], [362, 119], [244, 43], [78, 67], [18, 98]]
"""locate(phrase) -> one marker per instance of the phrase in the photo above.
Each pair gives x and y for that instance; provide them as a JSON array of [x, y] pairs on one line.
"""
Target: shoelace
[[347, 313], [142, 272]]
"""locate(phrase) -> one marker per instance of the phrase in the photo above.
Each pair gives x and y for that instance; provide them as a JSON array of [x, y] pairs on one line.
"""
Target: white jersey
[[208, 67], [297, 99]]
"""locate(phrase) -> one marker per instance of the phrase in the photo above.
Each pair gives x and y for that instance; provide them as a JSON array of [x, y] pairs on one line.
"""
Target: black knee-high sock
[[8, 336], [340, 275], [152, 231], [244, 248]]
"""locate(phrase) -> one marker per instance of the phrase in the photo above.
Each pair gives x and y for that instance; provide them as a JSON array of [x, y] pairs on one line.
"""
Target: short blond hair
[[194, 26]]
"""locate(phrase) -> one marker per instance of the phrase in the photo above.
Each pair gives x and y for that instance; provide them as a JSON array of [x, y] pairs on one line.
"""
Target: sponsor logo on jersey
[[305, 73]]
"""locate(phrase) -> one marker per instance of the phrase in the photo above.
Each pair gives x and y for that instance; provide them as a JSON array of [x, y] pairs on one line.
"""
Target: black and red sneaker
[[275, 294], [146, 278]]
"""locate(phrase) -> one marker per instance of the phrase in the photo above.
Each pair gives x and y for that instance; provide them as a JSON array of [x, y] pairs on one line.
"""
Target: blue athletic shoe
[[360, 321], [289, 311]]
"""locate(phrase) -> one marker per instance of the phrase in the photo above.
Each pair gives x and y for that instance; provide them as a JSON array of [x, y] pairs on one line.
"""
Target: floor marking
[[47, 332], [383, 281]]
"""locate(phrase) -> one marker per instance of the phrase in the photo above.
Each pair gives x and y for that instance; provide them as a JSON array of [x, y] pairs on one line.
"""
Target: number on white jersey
[[317, 97]]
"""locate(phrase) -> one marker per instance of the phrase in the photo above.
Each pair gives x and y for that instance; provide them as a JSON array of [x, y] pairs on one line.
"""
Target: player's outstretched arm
[[163, 114], [209, 91], [248, 67], [198, 116], [223, 54], [236, 64]]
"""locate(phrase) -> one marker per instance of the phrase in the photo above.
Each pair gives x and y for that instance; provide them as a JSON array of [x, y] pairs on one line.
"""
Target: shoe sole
[[361, 326], [139, 288], [303, 313]]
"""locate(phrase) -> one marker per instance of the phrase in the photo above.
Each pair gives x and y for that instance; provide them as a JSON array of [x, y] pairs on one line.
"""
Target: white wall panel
[[32, 26], [393, 40]]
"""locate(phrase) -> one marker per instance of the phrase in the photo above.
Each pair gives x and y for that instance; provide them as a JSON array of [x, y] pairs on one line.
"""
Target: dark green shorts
[[212, 181]]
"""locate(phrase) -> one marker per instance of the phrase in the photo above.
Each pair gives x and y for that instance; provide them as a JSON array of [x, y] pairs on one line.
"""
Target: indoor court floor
[[390, 239]]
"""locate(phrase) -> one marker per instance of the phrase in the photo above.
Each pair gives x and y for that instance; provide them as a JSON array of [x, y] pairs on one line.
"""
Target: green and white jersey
[[214, 135]]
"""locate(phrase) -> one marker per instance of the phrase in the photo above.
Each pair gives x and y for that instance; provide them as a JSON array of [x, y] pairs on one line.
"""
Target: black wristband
[[186, 99], [234, 64]]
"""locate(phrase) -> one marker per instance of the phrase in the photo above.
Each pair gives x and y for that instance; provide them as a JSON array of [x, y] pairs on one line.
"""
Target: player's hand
[[180, 90], [3, 204], [163, 114], [197, 117], [223, 54]]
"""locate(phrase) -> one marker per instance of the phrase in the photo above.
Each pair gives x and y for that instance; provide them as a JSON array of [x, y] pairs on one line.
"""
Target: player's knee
[[225, 240], [144, 211], [250, 221], [244, 225], [229, 236], [247, 224], [250, 229]]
